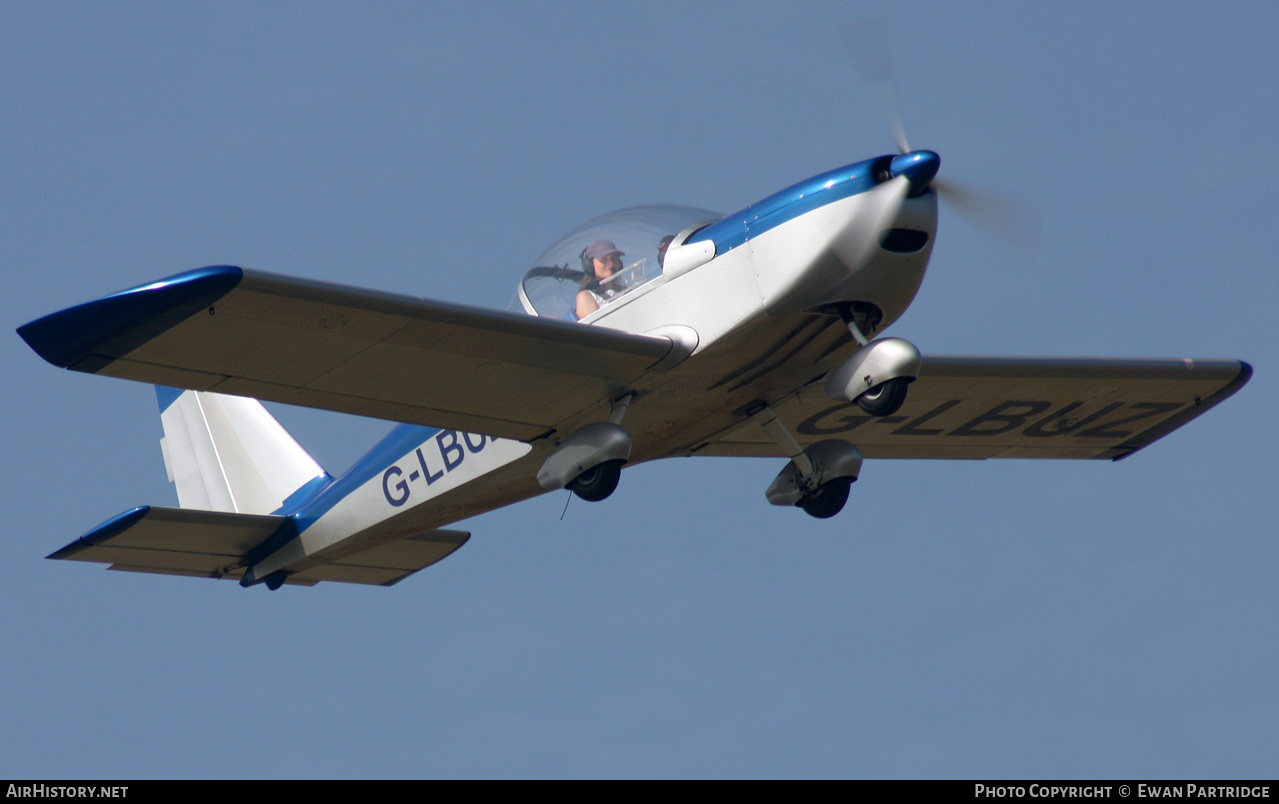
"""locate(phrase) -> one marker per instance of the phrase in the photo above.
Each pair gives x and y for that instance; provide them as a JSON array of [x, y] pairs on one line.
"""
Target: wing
[[989, 407], [340, 348], [215, 544]]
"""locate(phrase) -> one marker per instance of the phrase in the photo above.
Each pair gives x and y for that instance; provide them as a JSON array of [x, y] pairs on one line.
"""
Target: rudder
[[227, 453]]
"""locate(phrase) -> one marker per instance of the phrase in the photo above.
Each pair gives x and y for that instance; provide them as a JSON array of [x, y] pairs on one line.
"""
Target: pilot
[[600, 260]]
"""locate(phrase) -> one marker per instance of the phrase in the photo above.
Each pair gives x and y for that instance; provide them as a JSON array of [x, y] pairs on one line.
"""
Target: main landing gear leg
[[589, 461], [601, 480], [816, 479]]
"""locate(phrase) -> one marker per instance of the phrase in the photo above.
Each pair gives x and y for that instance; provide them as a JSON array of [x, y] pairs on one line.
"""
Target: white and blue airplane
[[652, 332]]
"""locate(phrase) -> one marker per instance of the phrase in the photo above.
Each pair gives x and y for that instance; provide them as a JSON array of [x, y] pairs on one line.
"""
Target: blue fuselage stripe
[[788, 204], [304, 493], [398, 443]]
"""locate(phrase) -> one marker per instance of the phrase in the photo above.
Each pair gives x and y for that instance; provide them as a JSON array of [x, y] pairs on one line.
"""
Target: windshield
[[629, 246]]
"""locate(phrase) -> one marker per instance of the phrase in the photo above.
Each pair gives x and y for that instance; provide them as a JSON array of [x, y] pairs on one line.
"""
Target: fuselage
[[754, 302]]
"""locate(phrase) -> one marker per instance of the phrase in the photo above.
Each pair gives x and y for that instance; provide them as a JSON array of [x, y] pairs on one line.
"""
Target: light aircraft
[[648, 333]]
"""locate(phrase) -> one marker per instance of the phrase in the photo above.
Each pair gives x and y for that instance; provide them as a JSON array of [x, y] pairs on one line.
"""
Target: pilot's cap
[[602, 248]]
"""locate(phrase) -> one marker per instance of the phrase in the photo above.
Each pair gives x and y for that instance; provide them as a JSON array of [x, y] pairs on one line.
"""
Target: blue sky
[[1005, 619]]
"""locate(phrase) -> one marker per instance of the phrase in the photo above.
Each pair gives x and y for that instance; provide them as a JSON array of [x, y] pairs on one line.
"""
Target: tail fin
[[227, 453]]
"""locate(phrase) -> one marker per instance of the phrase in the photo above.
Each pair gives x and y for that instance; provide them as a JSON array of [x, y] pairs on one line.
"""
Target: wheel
[[275, 580], [598, 482], [827, 499], [885, 399]]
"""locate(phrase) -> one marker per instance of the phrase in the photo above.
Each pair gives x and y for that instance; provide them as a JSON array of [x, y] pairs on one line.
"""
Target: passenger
[[661, 251], [600, 260]]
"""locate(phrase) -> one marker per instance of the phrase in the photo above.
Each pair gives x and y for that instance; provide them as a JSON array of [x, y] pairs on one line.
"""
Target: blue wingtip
[[99, 331], [112, 527]]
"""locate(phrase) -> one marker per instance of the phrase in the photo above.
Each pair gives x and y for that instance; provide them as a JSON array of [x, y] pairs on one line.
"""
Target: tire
[[886, 398], [827, 499], [598, 482]]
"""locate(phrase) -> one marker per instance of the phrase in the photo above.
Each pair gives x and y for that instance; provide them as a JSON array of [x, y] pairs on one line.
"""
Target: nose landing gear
[[878, 374], [886, 398]]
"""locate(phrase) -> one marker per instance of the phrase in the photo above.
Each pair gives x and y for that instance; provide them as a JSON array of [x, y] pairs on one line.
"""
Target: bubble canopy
[[551, 286]]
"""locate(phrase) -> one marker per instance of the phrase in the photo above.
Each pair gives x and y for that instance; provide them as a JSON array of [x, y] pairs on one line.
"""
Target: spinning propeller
[[1013, 224]]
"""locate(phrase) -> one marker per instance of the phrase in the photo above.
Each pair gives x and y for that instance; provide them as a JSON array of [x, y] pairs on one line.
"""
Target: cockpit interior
[[637, 235]]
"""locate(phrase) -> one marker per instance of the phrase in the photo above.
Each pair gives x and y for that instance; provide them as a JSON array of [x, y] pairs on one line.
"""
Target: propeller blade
[[868, 48], [1014, 224], [888, 199]]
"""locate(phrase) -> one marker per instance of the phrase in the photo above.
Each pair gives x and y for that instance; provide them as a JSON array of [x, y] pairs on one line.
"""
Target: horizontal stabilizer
[[215, 544], [174, 541], [388, 563]]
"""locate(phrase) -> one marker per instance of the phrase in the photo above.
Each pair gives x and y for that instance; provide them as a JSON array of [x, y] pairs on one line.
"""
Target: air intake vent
[[903, 241]]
